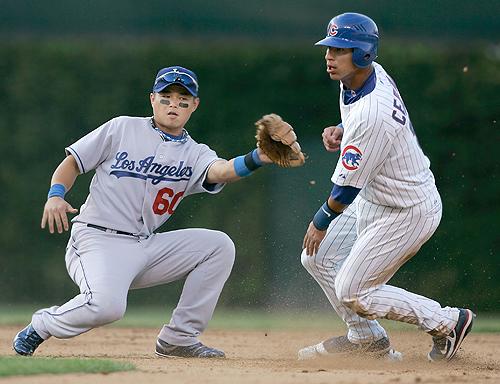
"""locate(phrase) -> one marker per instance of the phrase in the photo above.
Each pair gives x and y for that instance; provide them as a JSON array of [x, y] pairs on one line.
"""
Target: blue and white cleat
[[445, 347], [26, 341]]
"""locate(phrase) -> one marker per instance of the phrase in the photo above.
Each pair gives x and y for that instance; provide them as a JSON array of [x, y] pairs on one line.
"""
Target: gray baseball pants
[[106, 266]]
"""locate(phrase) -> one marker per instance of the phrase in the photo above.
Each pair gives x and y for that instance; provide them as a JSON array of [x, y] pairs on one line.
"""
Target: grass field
[[21, 366], [250, 319]]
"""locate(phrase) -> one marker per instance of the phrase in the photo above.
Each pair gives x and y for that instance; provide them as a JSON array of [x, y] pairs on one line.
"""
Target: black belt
[[104, 229]]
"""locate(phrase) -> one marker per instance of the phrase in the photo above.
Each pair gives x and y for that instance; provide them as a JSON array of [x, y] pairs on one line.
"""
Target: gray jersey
[[140, 179], [380, 153]]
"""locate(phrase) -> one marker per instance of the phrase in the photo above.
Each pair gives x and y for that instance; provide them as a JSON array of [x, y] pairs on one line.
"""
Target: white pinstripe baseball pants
[[363, 249]]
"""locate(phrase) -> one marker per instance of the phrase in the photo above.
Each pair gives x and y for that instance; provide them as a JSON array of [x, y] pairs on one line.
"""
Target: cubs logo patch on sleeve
[[351, 157]]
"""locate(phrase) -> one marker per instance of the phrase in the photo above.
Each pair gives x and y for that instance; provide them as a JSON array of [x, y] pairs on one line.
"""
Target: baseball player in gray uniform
[[384, 205], [144, 167]]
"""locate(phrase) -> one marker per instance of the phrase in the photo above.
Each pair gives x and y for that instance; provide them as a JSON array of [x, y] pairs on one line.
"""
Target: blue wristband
[[58, 190], [324, 217], [244, 165], [256, 159], [240, 167]]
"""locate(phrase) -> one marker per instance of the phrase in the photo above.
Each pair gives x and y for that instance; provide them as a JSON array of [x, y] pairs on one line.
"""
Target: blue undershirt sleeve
[[344, 194]]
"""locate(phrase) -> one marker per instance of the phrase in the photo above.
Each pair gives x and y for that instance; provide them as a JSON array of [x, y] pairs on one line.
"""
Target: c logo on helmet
[[351, 156], [332, 29]]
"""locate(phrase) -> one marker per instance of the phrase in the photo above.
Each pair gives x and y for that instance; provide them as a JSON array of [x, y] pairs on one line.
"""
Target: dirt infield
[[259, 357]]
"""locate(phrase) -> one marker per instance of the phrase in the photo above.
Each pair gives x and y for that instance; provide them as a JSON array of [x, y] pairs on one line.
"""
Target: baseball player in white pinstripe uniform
[[383, 207], [144, 167]]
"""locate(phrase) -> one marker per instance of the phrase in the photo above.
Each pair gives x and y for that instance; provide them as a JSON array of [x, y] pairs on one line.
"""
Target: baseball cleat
[[164, 349], [340, 344], [26, 341], [445, 347]]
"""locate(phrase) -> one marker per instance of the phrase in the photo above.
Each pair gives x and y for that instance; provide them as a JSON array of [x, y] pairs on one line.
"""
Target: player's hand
[[54, 212], [332, 137], [313, 239], [263, 157]]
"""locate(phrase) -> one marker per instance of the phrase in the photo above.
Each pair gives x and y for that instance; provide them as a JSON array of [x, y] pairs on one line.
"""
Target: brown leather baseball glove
[[277, 139]]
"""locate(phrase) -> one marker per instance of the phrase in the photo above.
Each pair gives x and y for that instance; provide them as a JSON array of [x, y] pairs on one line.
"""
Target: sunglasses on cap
[[176, 77]]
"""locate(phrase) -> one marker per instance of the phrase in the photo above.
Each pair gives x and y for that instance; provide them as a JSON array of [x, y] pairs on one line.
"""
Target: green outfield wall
[[53, 91]]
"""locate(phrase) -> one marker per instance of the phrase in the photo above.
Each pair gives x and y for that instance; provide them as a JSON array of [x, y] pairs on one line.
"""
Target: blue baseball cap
[[176, 75]]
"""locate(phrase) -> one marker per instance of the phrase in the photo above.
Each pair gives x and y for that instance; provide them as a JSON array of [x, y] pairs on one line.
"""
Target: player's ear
[[151, 97], [196, 102]]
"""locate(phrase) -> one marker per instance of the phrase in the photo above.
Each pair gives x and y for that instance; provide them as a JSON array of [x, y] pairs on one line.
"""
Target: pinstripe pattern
[[325, 265], [393, 170], [396, 212], [363, 249], [387, 238]]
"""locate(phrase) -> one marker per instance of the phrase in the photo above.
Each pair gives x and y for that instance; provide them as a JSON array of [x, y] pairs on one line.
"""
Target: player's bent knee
[[106, 310], [109, 314], [317, 267], [357, 306], [227, 250], [346, 294], [227, 243], [352, 299], [308, 262]]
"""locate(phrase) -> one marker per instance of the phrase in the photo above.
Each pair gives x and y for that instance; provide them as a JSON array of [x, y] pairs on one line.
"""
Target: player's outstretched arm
[[56, 208], [225, 171]]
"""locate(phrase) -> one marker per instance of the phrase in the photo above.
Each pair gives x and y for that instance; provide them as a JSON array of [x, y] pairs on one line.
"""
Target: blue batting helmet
[[353, 30]]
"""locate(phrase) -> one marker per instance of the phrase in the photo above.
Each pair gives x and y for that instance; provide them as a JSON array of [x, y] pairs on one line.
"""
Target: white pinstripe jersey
[[140, 178], [380, 153]]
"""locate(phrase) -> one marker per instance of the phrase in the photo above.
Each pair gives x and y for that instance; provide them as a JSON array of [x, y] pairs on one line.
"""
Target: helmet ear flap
[[361, 58]]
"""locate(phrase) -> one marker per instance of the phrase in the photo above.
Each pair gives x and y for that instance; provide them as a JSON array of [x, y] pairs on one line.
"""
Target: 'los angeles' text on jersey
[[148, 169], [136, 188]]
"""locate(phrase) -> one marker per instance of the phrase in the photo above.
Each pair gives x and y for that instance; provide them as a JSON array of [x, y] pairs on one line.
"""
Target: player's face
[[173, 107], [339, 63]]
